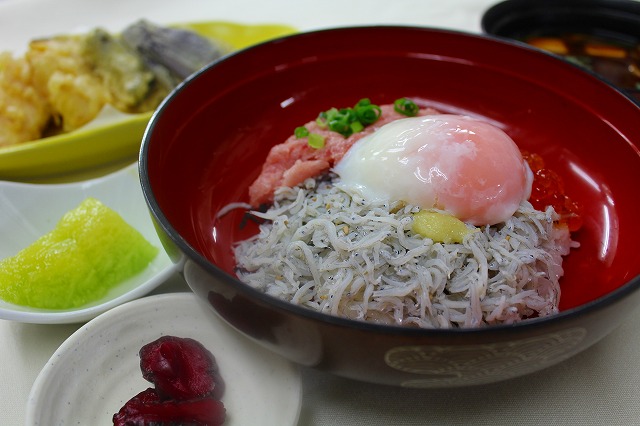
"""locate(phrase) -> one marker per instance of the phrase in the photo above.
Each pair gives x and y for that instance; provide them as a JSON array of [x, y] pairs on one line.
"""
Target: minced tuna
[[293, 161]]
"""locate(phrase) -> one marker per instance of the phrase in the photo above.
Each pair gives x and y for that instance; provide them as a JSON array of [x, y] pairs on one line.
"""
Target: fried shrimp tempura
[[61, 73], [64, 82], [24, 113]]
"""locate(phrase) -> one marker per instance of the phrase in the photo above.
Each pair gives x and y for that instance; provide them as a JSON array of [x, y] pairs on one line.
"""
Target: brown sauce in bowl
[[616, 60]]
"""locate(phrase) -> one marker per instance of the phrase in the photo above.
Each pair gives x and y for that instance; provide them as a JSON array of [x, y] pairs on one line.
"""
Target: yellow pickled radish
[[91, 250], [440, 227]]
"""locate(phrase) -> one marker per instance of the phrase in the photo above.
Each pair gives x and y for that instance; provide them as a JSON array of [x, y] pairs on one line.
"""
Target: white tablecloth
[[597, 387]]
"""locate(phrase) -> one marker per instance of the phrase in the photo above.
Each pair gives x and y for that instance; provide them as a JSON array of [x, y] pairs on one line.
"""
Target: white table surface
[[598, 387]]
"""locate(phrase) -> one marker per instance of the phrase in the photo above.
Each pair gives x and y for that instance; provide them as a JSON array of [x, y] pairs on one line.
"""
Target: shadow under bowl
[[207, 142]]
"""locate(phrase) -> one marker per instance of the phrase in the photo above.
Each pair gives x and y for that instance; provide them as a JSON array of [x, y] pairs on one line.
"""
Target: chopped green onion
[[340, 124], [350, 113], [367, 114], [316, 141], [364, 102], [301, 132], [406, 107], [321, 121], [348, 121], [339, 120], [356, 127]]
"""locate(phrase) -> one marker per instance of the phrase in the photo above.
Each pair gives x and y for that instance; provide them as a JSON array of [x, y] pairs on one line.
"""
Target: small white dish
[[97, 369], [28, 211]]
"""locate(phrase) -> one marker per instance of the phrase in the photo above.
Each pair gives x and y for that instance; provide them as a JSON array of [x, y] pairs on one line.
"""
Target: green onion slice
[[345, 121], [368, 114], [316, 141], [301, 132], [406, 107], [356, 127]]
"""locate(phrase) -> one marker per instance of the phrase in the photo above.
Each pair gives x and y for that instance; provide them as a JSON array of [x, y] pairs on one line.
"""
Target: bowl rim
[[188, 251], [516, 10]]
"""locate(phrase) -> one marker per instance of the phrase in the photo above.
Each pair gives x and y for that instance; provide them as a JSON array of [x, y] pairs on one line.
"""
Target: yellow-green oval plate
[[100, 148]]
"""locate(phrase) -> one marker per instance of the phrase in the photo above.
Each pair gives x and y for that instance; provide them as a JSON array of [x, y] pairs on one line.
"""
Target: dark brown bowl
[[207, 141], [579, 23]]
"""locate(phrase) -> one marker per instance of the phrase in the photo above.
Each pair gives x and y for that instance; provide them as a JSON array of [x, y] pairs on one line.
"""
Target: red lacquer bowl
[[207, 142]]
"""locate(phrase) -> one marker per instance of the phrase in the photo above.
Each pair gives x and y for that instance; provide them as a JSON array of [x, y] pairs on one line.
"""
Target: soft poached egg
[[464, 166]]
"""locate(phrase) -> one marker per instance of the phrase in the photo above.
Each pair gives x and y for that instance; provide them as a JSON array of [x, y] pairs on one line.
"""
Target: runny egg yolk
[[464, 166]]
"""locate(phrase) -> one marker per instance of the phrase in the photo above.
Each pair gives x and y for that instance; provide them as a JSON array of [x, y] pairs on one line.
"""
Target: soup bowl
[[207, 142], [601, 35]]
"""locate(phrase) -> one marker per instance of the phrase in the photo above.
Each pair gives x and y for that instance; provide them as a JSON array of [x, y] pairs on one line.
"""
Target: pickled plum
[[187, 386], [180, 368], [147, 408]]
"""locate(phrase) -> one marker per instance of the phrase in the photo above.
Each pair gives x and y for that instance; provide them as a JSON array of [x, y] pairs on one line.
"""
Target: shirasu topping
[[332, 251]]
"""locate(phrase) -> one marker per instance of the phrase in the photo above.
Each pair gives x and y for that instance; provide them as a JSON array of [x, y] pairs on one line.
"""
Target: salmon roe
[[548, 189]]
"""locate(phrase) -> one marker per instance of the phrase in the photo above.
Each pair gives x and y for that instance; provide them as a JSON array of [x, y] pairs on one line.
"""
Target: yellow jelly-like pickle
[[91, 250], [440, 227]]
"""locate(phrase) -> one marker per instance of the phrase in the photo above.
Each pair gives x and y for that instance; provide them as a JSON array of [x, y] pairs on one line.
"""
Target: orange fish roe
[[548, 189]]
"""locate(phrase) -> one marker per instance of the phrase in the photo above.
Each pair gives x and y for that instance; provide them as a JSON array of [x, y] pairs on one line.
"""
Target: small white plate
[[28, 211], [97, 369]]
